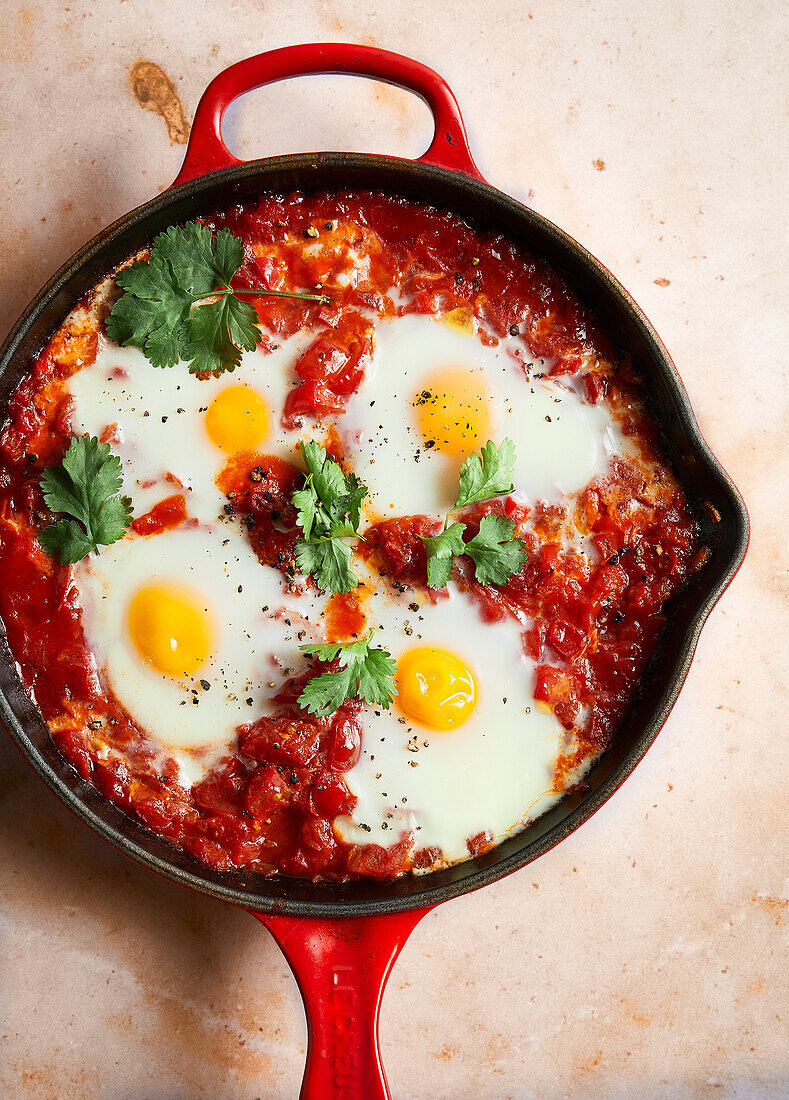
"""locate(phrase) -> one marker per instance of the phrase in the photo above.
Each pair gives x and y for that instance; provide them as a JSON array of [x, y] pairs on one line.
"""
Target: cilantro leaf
[[440, 551], [199, 261], [242, 322], [495, 553], [86, 487], [156, 331], [329, 561], [328, 509], [159, 310], [376, 678], [66, 541], [163, 345], [111, 520], [327, 475], [365, 673], [487, 474], [215, 333], [305, 502], [351, 501], [326, 693]]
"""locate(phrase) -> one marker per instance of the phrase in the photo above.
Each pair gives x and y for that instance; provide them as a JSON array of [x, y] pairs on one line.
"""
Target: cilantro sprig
[[85, 487], [365, 672], [495, 552], [487, 474], [328, 510], [163, 310]]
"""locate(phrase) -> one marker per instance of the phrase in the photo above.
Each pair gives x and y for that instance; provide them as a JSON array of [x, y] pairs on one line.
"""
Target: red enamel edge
[[341, 967], [207, 151]]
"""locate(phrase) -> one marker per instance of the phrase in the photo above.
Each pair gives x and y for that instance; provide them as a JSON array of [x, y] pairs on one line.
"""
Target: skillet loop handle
[[207, 151], [341, 967]]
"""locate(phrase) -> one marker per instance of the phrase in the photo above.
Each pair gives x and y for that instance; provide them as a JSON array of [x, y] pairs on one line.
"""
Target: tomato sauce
[[594, 619]]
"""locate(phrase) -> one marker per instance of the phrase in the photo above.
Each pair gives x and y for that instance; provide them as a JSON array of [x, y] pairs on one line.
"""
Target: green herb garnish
[[486, 475], [163, 311], [328, 511], [85, 486], [494, 551], [365, 673], [441, 550]]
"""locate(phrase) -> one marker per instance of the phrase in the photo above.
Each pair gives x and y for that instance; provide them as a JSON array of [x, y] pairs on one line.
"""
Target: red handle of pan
[[341, 967], [207, 151]]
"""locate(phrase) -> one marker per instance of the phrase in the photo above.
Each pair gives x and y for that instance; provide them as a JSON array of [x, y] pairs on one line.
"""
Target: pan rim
[[494, 869]]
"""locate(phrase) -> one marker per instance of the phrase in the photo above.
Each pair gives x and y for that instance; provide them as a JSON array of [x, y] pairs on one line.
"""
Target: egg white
[[561, 441], [160, 418], [245, 604], [492, 773]]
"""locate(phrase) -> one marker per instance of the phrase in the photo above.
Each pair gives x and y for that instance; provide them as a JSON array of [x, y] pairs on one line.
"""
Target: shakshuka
[[171, 666]]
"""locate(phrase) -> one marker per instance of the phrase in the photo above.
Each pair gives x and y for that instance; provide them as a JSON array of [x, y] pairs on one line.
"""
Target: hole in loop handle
[[207, 151], [341, 967]]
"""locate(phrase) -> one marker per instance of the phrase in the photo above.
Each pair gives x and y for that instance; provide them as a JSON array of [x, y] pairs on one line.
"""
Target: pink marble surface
[[647, 955]]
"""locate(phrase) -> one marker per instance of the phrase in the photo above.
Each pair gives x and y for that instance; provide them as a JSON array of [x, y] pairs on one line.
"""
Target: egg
[[463, 749], [173, 430], [237, 419], [169, 628], [435, 688], [189, 631], [435, 393]]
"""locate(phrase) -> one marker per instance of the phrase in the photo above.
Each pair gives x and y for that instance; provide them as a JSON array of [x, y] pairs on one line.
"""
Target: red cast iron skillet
[[342, 939]]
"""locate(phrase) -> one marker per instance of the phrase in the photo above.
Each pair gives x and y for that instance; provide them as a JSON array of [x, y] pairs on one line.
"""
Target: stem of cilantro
[[331, 538], [280, 294], [260, 292]]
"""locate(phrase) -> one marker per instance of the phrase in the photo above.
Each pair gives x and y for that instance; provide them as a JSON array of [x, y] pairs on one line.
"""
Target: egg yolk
[[452, 411], [237, 419], [170, 629], [435, 688]]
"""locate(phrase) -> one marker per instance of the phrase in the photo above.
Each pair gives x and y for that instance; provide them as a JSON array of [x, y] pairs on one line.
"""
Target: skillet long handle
[[341, 967], [207, 151]]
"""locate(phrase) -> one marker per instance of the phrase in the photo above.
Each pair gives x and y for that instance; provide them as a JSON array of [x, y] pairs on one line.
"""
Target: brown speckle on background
[[599, 165], [771, 905], [662, 282], [154, 91]]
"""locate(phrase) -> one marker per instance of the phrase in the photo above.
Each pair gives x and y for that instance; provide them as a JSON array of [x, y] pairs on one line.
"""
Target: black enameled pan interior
[[702, 477]]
